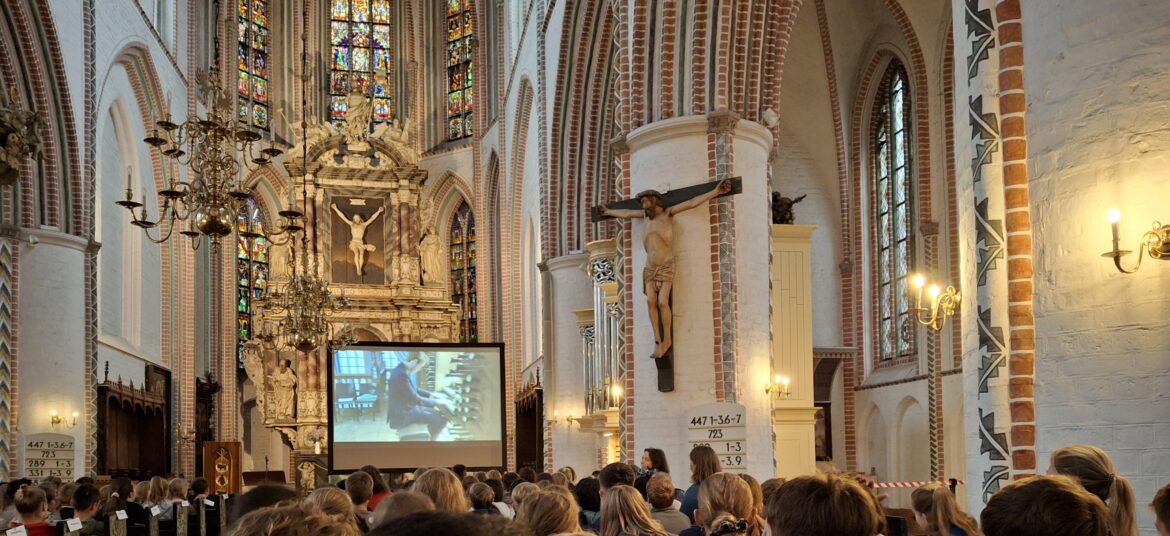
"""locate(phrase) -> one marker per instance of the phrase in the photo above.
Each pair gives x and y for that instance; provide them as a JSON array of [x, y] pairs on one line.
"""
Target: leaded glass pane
[[361, 43], [893, 214], [360, 58], [340, 9], [339, 33], [460, 28], [252, 60], [381, 11]]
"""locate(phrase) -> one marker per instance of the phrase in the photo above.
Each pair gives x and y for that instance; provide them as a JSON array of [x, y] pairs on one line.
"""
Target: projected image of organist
[[407, 406]]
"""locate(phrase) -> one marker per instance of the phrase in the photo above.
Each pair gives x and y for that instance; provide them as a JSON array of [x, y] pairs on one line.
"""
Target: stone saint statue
[[284, 391], [658, 275], [431, 252], [357, 234], [357, 115], [308, 479]]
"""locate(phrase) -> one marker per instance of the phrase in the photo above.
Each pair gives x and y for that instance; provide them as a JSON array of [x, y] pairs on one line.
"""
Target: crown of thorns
[[649, 193]]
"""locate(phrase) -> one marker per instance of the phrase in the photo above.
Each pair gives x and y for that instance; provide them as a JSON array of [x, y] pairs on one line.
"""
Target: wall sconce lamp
[[778, 387], [557, 416], [942, 302], [56, 420], [1155, 243]]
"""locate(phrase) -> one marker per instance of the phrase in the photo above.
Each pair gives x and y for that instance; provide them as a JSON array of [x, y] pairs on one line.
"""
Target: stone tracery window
[[251, 271], [891, 150], [362, 52], [463, 267], [460, 100], [253, 71]]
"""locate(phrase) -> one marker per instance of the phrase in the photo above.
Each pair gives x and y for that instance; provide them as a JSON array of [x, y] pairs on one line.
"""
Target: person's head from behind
[[31, 504], [615, 474], [292, 519], [177, 489], [332, 501], [522, 492], [86, 501], [1093, 469], [141, 491], [401, 504], [444, 489], [450, 523], [65, 494], [121, 492], [704, 463], [569, 472], [549, 512], [660, 490], [199, 487], [624, 512], [769, 487], [559, 479], [259, 497], [1161, 506], [588, 493], [460, 470], [655, 459], [360, 488], [527, 474], [157, 492], [936, 509], [377, 478], [1044, 506], [726, 505], [13, 487], [468, 481], [824, 504], [497, 489], [481, 496]]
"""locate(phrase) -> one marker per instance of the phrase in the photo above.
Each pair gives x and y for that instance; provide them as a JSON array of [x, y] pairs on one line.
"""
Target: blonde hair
[[400, 504], [141, 492], [624, 513], [334, 503], [444, 488], [292, 520], [559, 479], [549, 512], [569, 473], [1093, 469], [757, 499], [494, 474], [177, 489], [936, 503], [156, 493], [523, 491], [30, 500], [726, 498]]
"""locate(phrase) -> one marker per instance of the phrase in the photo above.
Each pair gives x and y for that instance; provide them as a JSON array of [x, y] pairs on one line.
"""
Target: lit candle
[[128, 185], [934, 290], [785, 382], [1114, 217], [317, 447], [918, 281]]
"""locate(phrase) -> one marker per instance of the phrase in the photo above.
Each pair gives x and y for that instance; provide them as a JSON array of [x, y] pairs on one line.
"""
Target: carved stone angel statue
[[357, 116]]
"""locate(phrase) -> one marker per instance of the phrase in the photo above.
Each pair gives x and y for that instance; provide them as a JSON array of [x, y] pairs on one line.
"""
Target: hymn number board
[[48, 455], [723, 427]]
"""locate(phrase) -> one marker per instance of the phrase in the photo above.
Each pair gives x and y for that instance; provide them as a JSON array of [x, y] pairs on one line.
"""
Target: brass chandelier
[[305, 305], [217, 149]]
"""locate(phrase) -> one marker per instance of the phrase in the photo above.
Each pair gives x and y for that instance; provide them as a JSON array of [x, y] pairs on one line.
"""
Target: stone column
[[565, 391], [721, 272], [793, 413]]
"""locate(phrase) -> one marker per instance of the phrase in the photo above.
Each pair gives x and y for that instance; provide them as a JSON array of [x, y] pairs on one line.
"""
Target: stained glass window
[[362, 52], [893, 204], [460, 101], [251, 271], [252, 61], [462, 265]]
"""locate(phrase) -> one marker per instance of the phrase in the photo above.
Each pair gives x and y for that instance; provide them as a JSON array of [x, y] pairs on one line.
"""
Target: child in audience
[[498, 498], [549, 512], [32, 508], [401, 504], [360, 488], [444, 489], [1044, 506], [624, 513], [141, 493], [660, 495], [259, 497], [9, 514], [337, 504], [1093, 469], [482, 497], [198, 490], [726, 507], [292, 520], [64, 502], [521, 493], [176, 493], [824, 504], [122, 497], [380, 490], [936, 510], [86, 501], [704, 463], [769, 487], [588, 495], [1161, 506]]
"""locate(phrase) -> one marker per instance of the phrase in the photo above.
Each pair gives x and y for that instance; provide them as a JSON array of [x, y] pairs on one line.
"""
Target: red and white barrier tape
[[909, 484]]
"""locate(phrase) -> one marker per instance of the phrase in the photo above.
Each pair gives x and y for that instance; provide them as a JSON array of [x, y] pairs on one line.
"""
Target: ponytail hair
[[29, 500], [1093, 469], [120, 490], [726, 524], [937, 504]]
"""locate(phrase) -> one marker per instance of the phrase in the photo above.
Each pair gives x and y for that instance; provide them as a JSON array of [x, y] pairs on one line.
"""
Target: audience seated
[[726, 507], [527, 474], [198, 490], [498, 497], [401, 504], [769, 487], [660, 495], [444, 489], [257, 498], [1161, 506], [122, 498], [337, 504], [757, 499], [32, 509], [450, 523], [653, 461], [360, 488], [1044, 506], [549, 512], [704, 463], [936, 510], [588, 494], [291, 520], [481, 497], [380, 490], [823, 504], [9, 514], [624, 513], [1093, 469], [570, 474], [86, 502], [64, 502], [523, 491]]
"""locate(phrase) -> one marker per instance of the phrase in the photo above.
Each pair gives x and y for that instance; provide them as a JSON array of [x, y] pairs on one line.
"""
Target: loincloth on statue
[[359, 245], [663, 273]]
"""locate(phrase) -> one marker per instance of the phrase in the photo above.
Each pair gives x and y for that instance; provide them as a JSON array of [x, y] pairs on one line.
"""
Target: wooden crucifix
[[658, 209]]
